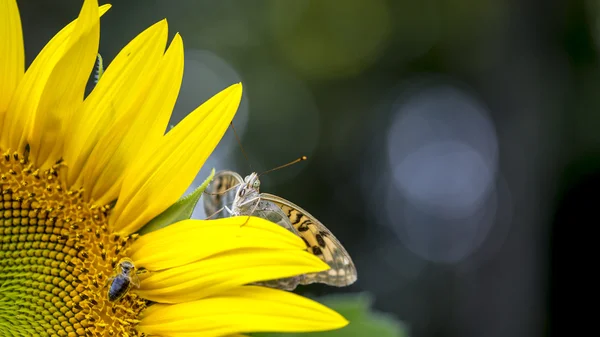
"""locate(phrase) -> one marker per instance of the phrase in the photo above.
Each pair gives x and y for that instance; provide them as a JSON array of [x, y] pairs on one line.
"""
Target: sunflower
[[81, 175]]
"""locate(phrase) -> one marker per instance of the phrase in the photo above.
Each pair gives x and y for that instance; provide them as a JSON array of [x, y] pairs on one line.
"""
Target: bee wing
[[135, 280], [109, 280]]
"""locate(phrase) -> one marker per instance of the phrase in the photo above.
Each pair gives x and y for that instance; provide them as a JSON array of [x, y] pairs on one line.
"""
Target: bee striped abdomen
[[118, 288]]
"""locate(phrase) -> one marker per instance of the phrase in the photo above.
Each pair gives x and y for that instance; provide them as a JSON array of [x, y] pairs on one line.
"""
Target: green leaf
[[100, 70], [181, 210], [364, 321]]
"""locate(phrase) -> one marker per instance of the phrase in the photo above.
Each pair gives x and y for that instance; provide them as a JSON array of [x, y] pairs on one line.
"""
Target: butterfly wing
[[220, 193], [269, 211], [321, 242], [288, 283], [216, 198]]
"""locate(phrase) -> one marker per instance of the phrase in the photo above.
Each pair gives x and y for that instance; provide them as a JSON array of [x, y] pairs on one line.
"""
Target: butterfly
[[230, 195]]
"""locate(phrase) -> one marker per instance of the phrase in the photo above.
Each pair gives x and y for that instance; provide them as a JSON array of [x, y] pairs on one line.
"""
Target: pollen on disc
[[56, 255]]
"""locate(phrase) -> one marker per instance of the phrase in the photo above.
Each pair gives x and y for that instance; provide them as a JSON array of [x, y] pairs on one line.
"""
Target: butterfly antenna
[[241, 147], [285, 165]]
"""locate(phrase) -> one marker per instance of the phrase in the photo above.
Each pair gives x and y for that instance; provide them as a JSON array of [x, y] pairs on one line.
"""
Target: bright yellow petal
[[64, 91], [24, 104], [125, 79], [12, 53], [167, 169], [227, 270], [163, 96], [241, 310], [142, 126], [192, 240]]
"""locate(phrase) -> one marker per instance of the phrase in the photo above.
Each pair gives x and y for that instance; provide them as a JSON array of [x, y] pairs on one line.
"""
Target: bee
[[123, 278]]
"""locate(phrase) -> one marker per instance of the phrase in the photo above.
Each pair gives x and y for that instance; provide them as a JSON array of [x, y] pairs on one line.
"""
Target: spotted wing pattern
[[288, 283], [321, 242], [219, 193], [269, 211]]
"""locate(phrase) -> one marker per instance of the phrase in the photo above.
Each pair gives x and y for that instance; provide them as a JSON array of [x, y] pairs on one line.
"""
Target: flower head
[[79, 176]]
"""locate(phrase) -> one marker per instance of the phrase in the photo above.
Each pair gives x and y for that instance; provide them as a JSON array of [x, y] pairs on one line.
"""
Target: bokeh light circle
[[326, 39], [442, 154]]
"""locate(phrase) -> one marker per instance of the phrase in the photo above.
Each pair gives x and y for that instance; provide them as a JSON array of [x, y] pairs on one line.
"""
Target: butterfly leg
[[217, 212], [231, 212], [222, 192], [253, 210]]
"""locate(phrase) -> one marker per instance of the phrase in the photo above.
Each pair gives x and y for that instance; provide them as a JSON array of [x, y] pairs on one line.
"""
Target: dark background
[[452, 144]]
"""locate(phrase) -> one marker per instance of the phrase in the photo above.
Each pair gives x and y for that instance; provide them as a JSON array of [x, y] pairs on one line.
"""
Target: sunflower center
[[57, 254]]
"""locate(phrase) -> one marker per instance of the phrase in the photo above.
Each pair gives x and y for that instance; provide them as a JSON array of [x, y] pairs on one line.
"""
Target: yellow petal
[[167, 169], [24, 104], [64, 91], [125, 79], [240, 310], [12, 53], [192, 240], [160, 102], [142, 126], [224, 271]]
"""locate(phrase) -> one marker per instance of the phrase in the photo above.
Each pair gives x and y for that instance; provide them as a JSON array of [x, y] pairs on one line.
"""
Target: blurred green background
[[452, 144]]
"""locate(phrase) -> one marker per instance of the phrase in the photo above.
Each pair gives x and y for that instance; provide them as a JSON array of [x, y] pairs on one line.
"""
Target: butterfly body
[[319, 240], [248, 201]]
